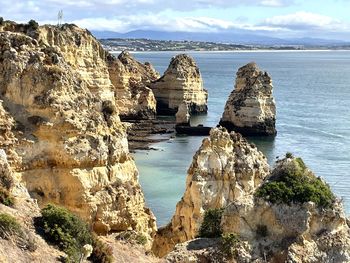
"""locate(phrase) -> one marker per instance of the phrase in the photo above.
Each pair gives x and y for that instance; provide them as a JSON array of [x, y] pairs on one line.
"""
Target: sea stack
[[181, 82], [182, 115], [255, 214], [250, 108], [225, 168], [131, 80]]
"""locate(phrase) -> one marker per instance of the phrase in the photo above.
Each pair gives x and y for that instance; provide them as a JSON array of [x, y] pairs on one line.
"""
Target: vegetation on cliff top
[[65, 230], [293, 182], [6, 183], [70, 233], [211, 225], [11, 230]]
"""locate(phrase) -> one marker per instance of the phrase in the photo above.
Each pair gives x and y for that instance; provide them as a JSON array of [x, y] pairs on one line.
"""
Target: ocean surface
[[312, 93]]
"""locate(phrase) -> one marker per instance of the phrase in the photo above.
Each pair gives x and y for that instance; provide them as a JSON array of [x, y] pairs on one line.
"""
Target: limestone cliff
[[225, 168], [69, 146], [287, 215], [131, 79], [292, 216], [250, 108], [29, 246], [298, 231], [181, 82]]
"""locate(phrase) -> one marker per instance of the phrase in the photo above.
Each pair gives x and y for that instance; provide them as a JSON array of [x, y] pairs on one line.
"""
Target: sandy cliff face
[[131, 79], [225, 168], [250, 108], [181, 82], [70, 144]]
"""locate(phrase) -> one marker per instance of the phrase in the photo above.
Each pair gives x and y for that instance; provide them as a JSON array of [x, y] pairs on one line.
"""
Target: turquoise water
[[312, 92]]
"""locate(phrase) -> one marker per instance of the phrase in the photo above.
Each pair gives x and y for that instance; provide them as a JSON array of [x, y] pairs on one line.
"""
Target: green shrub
[[9, 226], [289, 155], [211, 225], [102, 252], [141, 239], [65, 230], [5, 197], [6, 180], [292, 182], [229, 244], [262, 231], [32, 24], [132, 237], [11, 229], [1, 20]]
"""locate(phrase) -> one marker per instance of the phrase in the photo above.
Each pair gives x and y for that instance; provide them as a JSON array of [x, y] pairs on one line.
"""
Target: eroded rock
[[70, 147], [181, 82], [132, 79], [225, 168], [250, 108], [182, 115]]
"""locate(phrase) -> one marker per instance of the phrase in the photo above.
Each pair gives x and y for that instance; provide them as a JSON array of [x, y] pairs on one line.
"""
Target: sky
[[327, 19]]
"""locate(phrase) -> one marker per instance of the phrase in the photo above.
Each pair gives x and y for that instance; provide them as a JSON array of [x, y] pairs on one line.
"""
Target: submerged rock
[[181, 82], [250, 108], [225, 168], [69, 145]]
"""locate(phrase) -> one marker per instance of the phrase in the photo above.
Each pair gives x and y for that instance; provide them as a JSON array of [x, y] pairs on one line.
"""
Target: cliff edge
[[69, 145]]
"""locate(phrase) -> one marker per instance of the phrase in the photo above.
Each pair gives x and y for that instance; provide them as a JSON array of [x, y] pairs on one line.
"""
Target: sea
[[312, 93]]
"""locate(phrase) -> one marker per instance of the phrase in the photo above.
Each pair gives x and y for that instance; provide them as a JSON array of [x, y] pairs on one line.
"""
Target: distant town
[[119, 44]]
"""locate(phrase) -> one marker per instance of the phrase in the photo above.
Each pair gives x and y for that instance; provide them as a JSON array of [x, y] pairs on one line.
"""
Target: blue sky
[[278, 18]]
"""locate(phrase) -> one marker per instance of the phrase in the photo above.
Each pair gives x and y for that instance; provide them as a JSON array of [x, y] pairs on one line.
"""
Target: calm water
[[312, 92]]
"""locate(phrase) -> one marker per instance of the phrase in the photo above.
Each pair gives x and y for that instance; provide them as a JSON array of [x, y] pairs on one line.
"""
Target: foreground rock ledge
[[250, 108], [181, 82]]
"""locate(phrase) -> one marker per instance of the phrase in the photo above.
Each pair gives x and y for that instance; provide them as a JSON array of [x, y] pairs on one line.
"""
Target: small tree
[[33, 24], [211, 225]]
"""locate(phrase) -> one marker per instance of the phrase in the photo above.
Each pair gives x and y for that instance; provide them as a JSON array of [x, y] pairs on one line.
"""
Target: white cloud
[[159, 22], [306, 21], [79, 9]]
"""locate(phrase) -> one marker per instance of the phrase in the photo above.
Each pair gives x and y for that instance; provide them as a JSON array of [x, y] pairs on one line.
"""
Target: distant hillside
[[223, 37]]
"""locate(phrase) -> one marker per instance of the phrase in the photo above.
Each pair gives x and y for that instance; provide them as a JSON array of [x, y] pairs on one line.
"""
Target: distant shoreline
[[236, 51], [149, 45]]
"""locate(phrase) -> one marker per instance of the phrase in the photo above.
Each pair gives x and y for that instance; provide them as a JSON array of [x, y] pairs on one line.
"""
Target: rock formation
[[250, 108], [182, 115], [291, 232], [61, 128], [288, 215], [181, 82], [225, 168], [131, 79]]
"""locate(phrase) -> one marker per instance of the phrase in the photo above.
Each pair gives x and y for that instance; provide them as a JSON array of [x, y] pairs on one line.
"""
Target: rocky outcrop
[[69, 146], [250, 108], [131, 79], [225, 168], [181, 82], [287, 215], [294, 219], [295, 231], [182, 115]]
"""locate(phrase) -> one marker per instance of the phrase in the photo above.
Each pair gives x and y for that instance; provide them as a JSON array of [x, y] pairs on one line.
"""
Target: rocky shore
[[71, 113]]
